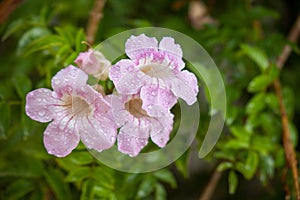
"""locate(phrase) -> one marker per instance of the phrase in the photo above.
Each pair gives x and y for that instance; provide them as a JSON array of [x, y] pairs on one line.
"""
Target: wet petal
[[184, 85], [119, 113], [67, 79], [60, 140], [157, 101], [98, 134], [127, 78], [172, 50], [139, 46], [39, 105], [132, 139], [161, 129]]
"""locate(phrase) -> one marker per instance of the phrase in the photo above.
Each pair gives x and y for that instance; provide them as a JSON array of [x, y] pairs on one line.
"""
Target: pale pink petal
[[60, 140], [126, 78], [98, 134], [184, 85], [157, 101], [40, 104], [139, 46], [88, 62], [67, 79], [132, 139], [161, 129], [119, 113], [172, 51]]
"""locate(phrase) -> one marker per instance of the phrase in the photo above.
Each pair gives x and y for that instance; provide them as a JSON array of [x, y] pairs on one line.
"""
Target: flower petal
[[67, 79], [172, 50], [139, 46], [60, 140], [132, 139], [184, 85], [98, 134], [157, 101], [161, 129], [39, 105], [127, 78], [119, 113]]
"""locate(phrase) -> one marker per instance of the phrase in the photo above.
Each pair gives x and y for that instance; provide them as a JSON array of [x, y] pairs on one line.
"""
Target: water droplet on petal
[[39, 100], [112, 139], [41, 113]]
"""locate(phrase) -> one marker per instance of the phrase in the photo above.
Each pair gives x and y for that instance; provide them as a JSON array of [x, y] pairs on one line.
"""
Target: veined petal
[[161, 129], [67, 79], [39, 105], [184, 85], [119, 113], [172, 51], [60, 140], [97, 133], [132, 139], [139, 46], [157, 101], [127, 78]]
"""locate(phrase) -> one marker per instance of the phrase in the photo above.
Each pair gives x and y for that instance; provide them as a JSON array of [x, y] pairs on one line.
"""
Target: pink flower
[[154, 70], [94, 62], [76, 110], [137, 126]]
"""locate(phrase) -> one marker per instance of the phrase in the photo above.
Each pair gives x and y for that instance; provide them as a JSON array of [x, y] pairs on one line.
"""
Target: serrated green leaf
[[19, 188], [78, 174], [166, 176], [256, 104], [232, 181], [224, 166], [55, 179], [257, 55], [259, 83]]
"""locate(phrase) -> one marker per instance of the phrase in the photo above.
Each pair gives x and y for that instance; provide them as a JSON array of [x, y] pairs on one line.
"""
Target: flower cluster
[[147, 85]]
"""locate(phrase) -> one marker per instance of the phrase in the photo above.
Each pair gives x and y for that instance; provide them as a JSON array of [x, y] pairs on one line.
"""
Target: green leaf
[[240, 133], [257, 55], [55, 179], [294, 134], [22, 84], [19, 188], [182, 164], [100, 173], [237, 144], [248, 168], [272, 101], [79, 158], [5, 120], [160, 192], [232, 181], [30, 36], [78, 174], [102, 192], [166, 176], [262, 144], [256, 104], [224, 166], [88, 190], [80, 37], [146, 187], [259, 83], [289, 101]]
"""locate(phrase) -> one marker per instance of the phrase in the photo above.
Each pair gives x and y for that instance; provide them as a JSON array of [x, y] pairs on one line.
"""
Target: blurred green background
[[244, 37]]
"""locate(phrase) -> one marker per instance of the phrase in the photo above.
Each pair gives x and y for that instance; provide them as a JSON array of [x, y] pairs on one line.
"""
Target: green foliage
[[42, 37]]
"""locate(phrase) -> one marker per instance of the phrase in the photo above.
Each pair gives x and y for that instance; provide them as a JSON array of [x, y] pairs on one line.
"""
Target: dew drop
[[39, 100], [112, 139], [41, 113], [153, 93]]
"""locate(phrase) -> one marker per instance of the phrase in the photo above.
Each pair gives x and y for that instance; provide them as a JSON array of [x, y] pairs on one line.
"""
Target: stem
[[7, 7], [94, 20], [290, 153], [211, 186]]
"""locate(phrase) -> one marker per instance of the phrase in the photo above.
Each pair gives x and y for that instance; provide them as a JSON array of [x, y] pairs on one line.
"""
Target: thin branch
[[7, 7], [211, 186], [290, 153], [94, 20]]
